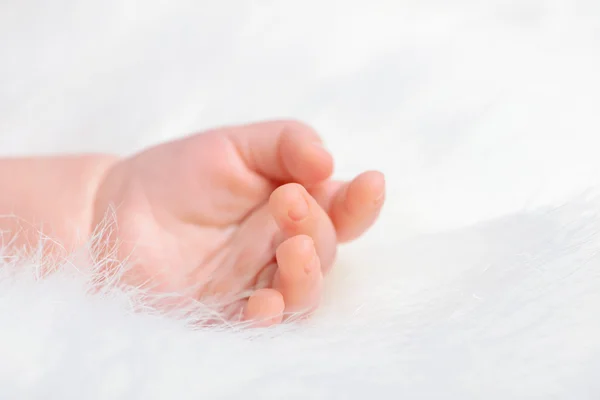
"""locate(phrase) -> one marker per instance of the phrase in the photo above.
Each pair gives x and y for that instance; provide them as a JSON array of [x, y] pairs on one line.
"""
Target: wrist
[[97, 169], [48, 201]]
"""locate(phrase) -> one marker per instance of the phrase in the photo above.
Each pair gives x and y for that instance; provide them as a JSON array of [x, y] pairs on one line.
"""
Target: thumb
[[283, 151]]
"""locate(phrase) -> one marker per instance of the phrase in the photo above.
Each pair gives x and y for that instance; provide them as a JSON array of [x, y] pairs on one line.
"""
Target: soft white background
[[479, 113]]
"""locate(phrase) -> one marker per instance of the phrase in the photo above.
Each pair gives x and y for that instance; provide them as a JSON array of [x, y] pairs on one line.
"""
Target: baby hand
[[247, 215]]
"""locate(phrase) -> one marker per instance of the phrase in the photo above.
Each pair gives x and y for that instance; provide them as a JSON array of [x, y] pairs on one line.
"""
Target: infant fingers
[[296, 212], [264, 308], [356, 205], [299, 278], [283, 151]]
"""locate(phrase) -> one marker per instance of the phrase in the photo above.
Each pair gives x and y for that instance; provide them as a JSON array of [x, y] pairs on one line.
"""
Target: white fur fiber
[[482, 278]]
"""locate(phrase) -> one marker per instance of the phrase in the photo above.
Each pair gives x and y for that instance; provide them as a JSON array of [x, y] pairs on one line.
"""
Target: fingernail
[[379, 200], [313, 262], [308, 253], [299, 207]]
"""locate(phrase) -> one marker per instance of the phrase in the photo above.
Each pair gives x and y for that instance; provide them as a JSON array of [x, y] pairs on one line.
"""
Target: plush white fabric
[[482, 278]]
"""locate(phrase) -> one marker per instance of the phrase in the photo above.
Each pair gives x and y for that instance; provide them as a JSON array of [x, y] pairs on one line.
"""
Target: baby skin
[[245, 214]]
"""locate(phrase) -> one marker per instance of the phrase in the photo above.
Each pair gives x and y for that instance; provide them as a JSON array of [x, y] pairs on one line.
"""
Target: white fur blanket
[[482, 278]]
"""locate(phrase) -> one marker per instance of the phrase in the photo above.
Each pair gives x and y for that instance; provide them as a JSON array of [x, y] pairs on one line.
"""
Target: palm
[[204, 216]]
